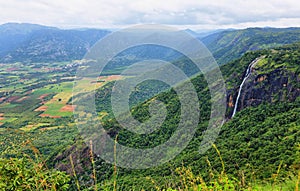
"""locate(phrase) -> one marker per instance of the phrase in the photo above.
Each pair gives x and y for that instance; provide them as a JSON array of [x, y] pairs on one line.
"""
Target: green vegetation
[[229, 45], [253, 145], [259, 147], [24, 174]]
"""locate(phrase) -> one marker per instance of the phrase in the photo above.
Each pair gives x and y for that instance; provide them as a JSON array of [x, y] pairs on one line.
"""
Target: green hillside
[[229, 45], [257, 142]]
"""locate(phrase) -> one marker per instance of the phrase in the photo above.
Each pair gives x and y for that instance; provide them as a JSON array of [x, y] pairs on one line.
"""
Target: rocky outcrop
[[277, 85]]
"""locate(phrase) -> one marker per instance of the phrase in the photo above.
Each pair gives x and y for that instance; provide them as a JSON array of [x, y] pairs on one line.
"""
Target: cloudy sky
[[194, 14]]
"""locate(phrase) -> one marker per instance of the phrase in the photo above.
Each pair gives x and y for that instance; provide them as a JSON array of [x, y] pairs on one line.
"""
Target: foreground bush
[[27, 174]]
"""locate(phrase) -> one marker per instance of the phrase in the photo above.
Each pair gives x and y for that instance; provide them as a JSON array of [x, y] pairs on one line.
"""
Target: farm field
[[35, 96]]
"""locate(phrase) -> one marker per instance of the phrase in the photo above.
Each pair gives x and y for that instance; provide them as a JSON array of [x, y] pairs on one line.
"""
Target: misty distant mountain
[[36, 43], [203, 33], [13, 34]]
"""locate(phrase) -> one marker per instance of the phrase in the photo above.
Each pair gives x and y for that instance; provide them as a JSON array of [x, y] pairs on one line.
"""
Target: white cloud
[[115, 13]]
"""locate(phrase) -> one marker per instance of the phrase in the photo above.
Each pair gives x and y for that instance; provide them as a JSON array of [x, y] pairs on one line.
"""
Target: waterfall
[[248, 72]]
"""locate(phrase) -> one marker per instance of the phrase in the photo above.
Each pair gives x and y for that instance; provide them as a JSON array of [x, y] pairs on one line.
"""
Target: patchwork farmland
[[40, 102]]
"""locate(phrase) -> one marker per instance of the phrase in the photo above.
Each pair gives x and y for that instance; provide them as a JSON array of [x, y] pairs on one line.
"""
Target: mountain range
[[36, 43]]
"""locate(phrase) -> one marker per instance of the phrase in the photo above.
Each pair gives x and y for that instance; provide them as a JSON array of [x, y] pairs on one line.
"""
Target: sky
[[193, 14]]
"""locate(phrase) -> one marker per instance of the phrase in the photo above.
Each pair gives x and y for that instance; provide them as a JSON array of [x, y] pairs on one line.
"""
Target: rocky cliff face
[[276, 85]]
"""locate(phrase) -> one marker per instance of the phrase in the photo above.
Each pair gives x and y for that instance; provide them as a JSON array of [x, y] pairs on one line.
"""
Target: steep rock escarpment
[[273, 86]]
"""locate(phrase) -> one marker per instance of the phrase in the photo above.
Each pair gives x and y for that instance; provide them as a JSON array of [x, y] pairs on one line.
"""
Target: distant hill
[[36, 43], [13, 34], [205, 33], [229, 45]]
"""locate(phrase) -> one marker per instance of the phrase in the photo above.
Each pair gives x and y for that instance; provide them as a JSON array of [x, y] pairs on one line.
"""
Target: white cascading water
[[248, 72]]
